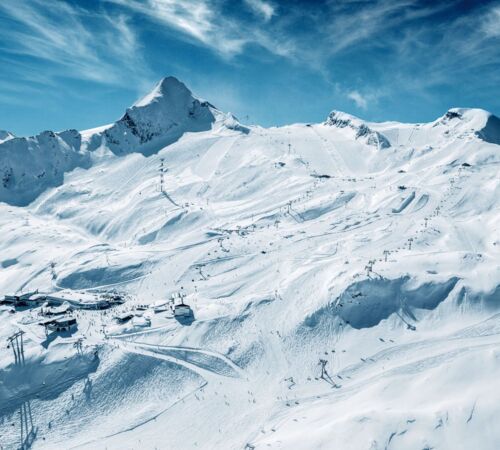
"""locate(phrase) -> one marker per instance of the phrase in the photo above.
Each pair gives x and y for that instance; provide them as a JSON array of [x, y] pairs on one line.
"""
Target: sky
[[81, 63]]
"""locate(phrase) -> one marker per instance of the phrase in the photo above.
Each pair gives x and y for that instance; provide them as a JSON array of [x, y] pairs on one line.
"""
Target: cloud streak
[[264, 9], [358, 99], [320, 36], [198, 20], [73, 43]]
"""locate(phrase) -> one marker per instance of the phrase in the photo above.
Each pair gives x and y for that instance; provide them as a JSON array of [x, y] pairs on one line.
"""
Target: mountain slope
[[372, 247]]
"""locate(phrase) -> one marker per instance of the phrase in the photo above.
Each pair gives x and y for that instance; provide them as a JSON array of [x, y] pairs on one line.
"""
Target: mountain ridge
[[162, 117]]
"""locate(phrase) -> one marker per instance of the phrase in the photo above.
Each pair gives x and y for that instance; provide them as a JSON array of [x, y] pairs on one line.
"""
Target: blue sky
[[79, 64]]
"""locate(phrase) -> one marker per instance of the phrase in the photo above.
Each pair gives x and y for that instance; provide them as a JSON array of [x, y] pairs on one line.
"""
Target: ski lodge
[[124, 317], [67, 323]]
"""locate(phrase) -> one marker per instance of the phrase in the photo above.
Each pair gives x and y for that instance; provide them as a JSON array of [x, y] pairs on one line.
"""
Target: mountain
[[158, 119], [344, 279], [28, 166], [5, 136], [361, 130], [485, 125]]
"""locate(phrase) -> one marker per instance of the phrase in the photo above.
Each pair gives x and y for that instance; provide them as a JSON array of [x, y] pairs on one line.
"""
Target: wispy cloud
[[207, 23], [319, 37], [358, 99], [408, 50], [198, 20], [75, 43], [491, 22], [443, 53], [264, 9]]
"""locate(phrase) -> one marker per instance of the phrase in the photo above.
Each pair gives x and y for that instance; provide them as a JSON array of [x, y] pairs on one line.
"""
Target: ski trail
[[47, 390], [192, 350], [322, 158], [463, 236], [208, 364], [208, 164], [338, 161], [145, 421]]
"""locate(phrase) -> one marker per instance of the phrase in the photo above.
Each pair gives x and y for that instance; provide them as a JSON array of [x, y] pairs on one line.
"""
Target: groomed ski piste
[[343, 277]]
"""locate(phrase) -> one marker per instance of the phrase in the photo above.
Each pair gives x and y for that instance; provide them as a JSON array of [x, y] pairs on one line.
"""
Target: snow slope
[[374, 247]]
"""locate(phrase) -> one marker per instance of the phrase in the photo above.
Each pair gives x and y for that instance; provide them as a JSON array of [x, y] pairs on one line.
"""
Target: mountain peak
[[159, 119], [165, 88], [5, 136], [484, 124], [165, 82], [341, 119], [466, 114]]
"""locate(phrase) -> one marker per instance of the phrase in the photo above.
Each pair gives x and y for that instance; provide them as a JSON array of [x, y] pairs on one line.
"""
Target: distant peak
[[342, 116], [171, 82], [341, 119], [170, 99], [170, 90], [165, 88], [5, 136], [466, 114], [453, 113], [485, 125]]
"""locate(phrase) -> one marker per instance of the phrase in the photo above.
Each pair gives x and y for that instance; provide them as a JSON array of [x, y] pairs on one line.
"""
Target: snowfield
[[344, 279]]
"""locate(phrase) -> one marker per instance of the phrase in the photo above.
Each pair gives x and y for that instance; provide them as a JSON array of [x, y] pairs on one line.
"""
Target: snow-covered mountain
[[31, 165], [157, 120], [344, 278], [5, 136], [28, 166], [361, 130]]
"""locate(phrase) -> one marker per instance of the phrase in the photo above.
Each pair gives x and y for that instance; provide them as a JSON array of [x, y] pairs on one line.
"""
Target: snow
[[5, 136], [374, 247]]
